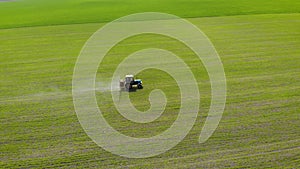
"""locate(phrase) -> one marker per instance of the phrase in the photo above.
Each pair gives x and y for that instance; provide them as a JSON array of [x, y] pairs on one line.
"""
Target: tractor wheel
[[127, 86], [140, 86]]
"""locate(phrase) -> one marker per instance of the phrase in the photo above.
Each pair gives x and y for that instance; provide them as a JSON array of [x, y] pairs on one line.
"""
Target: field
[[259, 45]]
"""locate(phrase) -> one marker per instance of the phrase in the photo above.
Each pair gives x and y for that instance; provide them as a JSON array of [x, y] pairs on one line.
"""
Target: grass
[[259, 128], [37, 13]]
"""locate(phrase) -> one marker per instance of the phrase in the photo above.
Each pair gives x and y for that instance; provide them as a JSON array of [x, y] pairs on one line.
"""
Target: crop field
[[258, 42]]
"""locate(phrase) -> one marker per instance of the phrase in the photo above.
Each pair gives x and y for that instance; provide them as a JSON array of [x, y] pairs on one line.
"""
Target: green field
[[258, 42]]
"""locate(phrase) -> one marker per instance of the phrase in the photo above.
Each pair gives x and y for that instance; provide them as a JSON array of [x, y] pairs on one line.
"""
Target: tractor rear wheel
[[127, 86]]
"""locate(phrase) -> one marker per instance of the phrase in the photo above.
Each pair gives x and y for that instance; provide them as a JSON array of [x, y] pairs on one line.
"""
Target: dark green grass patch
[[56, 12]]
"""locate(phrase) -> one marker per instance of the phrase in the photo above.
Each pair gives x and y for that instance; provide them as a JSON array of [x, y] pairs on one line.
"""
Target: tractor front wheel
[[140, 86]]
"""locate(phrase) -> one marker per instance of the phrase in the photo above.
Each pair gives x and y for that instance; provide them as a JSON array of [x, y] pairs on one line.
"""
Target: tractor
[[130, 84]]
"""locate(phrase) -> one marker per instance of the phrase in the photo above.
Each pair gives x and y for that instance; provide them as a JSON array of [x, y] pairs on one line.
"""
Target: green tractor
[[131, 84]]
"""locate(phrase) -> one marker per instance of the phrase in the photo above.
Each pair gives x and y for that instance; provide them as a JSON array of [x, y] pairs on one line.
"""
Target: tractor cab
[[129, 78]]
